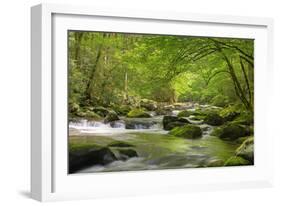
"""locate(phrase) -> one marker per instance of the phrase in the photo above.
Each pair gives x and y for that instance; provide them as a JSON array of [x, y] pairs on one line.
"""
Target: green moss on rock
[[231, 131], [230, 113], [188, 131], [245, 118], [213, 119], [170, 122], [184, 113], [137, 113], [110, 117]]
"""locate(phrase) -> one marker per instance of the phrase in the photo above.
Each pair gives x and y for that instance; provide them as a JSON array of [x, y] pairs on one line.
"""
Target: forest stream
[[155, 148]]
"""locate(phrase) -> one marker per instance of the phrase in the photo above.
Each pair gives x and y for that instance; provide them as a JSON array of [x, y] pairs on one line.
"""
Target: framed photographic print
[[134, 102]]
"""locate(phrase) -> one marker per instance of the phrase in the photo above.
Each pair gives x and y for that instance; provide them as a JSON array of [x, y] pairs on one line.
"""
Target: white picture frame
[[49, 178]]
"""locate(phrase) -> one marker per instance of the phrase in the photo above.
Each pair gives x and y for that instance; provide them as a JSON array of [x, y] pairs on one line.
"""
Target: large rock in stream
[[111, 117], [213, 119], [232, 131], [148, 104], [82, 156], [170, 122], [188, 131]]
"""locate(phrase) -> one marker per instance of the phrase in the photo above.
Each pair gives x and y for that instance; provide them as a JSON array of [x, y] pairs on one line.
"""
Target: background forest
[[112, 69], [140, 101]]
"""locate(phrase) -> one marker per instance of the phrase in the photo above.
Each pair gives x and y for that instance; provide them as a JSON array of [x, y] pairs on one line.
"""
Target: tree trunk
[[92, 74], [77, 56], [126, 87]]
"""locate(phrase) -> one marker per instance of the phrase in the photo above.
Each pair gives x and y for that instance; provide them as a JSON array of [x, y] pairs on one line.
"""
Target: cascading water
[[153, 124], [156, 149]]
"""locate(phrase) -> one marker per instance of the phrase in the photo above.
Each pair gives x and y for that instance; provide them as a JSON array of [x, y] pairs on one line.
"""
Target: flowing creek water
[[155, 147]]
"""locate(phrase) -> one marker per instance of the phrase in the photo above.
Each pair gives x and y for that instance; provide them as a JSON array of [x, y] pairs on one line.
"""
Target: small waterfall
[[115, 127]]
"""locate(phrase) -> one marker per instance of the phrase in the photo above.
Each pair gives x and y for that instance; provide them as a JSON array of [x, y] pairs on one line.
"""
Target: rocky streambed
[[184, 138]]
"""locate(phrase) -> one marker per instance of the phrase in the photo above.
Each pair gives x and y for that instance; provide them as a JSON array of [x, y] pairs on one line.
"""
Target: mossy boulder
[[230, 113], [88, 115], [188, 131], [169, 122], [172, 125], [245, 118], [85, 155], [236, 161], [73, 107], [122, 110], [138, 113], [184, 113], [213, 119], [101, 111], [162, 111], [110, 117], [148, 104], [246, 150], [231, 131]]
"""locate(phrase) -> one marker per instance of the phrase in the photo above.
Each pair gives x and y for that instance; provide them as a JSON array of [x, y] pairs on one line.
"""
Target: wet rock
[[110, 117], [148, 104], [117, 124], [74, 107], [102, 111], [229, 113], [172, 125], [88, 155], [213, 119], [122, 110], [170, 121], [188, 131], [162, 111], [90, 115], [232, 131]]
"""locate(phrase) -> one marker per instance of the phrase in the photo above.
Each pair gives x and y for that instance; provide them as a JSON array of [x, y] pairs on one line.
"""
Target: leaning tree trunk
[[237, 86]]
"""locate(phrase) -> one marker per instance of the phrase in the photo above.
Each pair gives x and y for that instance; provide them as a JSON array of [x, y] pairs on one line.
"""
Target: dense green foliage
[[115, 69]]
